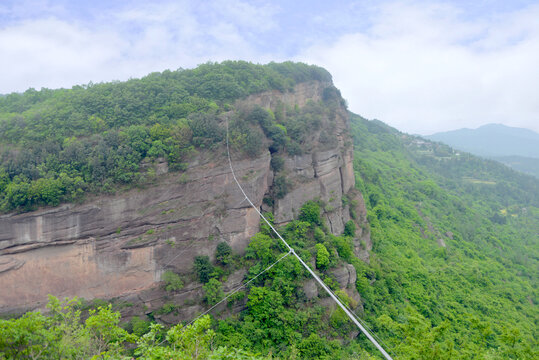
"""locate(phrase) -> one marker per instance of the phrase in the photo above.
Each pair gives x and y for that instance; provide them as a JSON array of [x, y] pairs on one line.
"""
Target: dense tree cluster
[[454, 267], [455, 272], [56, 145], [64, 334]]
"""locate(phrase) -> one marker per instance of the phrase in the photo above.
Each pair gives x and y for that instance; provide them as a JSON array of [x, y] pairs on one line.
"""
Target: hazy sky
[[421, 66]]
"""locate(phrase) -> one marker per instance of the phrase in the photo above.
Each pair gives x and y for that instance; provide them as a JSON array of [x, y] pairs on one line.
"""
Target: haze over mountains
[[515, 147]]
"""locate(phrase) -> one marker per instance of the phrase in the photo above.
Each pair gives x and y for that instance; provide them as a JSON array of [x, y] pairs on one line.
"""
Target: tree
[[310, 212], [106, 337], [260, 248], [223, 253], [213, 291], [173, 281], [322, 256], [350, 228], [203, 268]]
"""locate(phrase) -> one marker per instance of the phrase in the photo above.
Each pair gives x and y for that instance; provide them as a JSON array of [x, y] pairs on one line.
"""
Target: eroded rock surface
[[118, 246]]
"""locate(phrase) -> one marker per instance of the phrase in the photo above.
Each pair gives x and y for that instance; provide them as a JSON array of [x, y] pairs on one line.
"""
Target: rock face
[[118, 246]]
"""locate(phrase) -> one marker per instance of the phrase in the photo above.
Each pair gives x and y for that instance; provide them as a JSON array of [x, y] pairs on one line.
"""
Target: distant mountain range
[[515, 147]]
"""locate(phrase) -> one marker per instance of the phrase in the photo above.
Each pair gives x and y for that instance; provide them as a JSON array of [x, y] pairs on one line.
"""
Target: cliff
[[118, 246]]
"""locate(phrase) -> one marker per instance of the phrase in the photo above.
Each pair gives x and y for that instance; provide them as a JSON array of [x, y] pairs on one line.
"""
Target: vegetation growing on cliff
[[454, 272], [454, 267], [280, 321], [56, 145], [63, 334]]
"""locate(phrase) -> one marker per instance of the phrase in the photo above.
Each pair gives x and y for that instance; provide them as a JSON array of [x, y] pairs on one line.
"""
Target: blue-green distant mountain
[[515, 147]]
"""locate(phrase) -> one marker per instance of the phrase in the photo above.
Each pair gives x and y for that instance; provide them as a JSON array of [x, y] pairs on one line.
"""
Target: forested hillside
[[515, 147], [453, 272], [57, 145], [455, 266]]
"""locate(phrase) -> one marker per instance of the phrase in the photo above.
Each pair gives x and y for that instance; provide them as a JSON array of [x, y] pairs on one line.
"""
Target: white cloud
[[419, 66], [51, 52], [423, 69], [130, 42]]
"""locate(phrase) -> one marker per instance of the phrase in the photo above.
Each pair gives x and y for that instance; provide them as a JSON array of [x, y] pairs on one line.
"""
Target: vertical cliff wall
[[118, 246]]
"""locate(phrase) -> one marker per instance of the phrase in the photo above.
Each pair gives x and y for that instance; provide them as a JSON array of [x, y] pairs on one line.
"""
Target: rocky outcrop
[[118, 246], [321, 175]]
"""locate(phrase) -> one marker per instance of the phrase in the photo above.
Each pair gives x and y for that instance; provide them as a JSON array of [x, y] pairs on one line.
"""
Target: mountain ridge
[[515, 147], [492, 140], [434, 248]]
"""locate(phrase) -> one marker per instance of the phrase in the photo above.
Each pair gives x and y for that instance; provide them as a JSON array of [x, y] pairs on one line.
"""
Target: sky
[[420, 66]]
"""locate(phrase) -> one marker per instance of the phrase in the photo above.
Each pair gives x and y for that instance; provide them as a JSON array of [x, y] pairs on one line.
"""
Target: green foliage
[[447, 274], [223, 253], [310, 212], [203, 268], [322, 256], [319, 235], [350, 228], [189, 342], [315, 347], [213, 291], [277, 163], [261, 247], [138, 326], [344, 247], [281, 186], [244, 137], [57, 145], [173, 281], [62, 334]]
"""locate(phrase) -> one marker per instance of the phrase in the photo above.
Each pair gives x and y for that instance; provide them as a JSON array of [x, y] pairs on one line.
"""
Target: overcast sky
[[420, 66]]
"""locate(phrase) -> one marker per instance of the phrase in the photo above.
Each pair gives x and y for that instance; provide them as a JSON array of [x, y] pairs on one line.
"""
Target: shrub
[[344, 247], [260, 248], [213, 291], [322, 256], [203, 268], [319, 235], [223, 253], [281, 186], [173, 282], [277, 163], [310, 212], [350, 229], [138, 326]]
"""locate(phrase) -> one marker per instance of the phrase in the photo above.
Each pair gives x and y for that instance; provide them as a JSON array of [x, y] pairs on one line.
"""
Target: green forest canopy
[[55, 145], [453, 274], [453, 271]]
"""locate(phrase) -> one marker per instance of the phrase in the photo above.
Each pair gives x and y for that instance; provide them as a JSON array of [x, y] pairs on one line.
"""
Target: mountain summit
[[492, 140], [515, 147]]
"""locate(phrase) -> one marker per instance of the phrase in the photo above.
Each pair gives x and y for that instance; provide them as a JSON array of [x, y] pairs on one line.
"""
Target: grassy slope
[[474, 298]]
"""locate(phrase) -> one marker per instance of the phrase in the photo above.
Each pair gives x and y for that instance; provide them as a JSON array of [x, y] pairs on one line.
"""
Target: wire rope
[[313, 274]]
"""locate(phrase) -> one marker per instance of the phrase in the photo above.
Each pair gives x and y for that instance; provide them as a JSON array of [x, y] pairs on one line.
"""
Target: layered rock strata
[[118, 246]]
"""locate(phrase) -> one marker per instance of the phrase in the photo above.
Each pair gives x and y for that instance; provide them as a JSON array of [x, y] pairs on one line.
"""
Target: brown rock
[[118, 246]]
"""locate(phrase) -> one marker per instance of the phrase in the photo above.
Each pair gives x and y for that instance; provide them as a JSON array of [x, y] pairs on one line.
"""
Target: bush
[[350, 229], [173, 282], [203, 268], [281, 186], [205, 127], [253, 141], [344, 247], [138, 326], [260, 247], [213, 291], [277, 163], [310, 212], [322, 256], [319, 235], [223, 253]]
